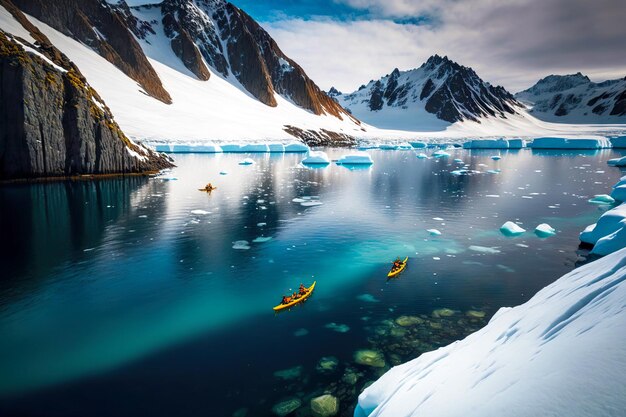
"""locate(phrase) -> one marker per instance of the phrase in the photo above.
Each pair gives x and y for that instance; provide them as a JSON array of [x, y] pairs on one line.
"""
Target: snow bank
[[560, 354], [361, 158], [570, 143], [618, 141], [608, 234], [619, 190], [316, 158]]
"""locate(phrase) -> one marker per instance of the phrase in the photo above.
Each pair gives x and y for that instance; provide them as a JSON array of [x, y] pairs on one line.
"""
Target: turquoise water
[[133, 289]]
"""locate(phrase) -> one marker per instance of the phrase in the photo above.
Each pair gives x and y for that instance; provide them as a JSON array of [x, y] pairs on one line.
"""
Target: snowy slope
[[560, 354], [575, 98]]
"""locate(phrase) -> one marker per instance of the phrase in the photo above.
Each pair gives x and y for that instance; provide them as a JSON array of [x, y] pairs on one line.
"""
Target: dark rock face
[[111, 38], [52, 123], [231, 42], [575, 98], [322, 137]]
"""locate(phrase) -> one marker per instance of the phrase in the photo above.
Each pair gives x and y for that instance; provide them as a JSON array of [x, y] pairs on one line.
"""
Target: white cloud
[[512, 43]]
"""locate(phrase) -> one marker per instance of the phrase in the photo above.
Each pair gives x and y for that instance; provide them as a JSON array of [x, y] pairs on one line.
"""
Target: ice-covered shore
[[562, 353]]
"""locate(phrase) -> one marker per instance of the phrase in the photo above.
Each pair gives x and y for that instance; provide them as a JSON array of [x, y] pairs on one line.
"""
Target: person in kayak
[[396, 264], [302, 289], [286, 300], [209, 187]]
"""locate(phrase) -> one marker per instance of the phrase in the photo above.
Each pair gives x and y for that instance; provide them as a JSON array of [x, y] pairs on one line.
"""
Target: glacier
[[562, 353]]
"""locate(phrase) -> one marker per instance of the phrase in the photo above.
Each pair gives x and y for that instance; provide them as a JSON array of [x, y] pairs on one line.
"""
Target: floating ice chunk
[[439, 219], [296, 147], [441, 154], [223, 172], [241, 245], [311, 203], [422, 156], [545, 230], [483, 249], [602, 199], [618, 141], [246, 161], [493, 171], [608, 234], [316, 158], [404, 146], [619, 192], [434, 232], [301, 332], [388, 146], [261, 224], [570, 143], [358, 158], [617, 162], [262, 239], [458, 161], [232, 147], [255, 147], [418, 145], [511, 229], [486, 144], [492, 196], [200, 212], [276, 147], [496, 157], [299, 200], [516, 143], [168, 178]]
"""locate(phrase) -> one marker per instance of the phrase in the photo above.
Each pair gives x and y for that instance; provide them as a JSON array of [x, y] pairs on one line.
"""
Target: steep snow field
[[560, 354]]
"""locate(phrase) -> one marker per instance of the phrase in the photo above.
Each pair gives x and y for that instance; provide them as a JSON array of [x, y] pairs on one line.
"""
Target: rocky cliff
[[52, 123]]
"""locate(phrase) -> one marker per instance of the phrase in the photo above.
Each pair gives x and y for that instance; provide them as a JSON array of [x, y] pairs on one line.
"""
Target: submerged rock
[[327, 364], [290, 373], [241, 412], [340, 328], [350, 377], [286, 407], [370, 358], [406, 321], [443, 312], [301, 332], [398, 332], [476, 314], [324, 406]]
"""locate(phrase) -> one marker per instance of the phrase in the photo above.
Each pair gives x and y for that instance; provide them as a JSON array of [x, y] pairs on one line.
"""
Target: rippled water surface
[[139, 296]]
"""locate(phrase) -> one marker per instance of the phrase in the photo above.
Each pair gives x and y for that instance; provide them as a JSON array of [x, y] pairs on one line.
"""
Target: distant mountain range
[[576, 99]]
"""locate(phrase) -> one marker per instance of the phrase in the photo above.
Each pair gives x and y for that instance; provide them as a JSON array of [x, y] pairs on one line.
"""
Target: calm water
[[126, 297]]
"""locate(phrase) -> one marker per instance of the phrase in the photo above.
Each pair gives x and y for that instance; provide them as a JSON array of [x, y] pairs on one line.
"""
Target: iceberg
[[608, 234], [511, 229], [559, 354], [361, 158], [495, 144], [619, 190], [276, 147], [570, 143], [434, 232], [545, 230], [422, 156], [232, 147], [418, 145], [387, 147], [246, 161], [296, 147], [617, 162], [441, 154], [496, 157], [618, 141], [316, 158], [516, 143], [241, 245], [255, 148], [602, 199], [163, 148]]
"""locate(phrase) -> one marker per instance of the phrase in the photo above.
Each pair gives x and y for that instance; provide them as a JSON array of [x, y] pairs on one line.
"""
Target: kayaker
[[302, 289], [286, 300], [209, 187]]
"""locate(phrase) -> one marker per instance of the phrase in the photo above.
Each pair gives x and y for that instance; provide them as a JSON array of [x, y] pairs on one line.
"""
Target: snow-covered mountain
[[188, 70], [431, 97], [576, 99]]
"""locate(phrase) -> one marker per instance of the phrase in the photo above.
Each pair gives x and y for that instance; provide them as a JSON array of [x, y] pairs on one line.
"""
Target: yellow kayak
[[395, 272], [306, 295]]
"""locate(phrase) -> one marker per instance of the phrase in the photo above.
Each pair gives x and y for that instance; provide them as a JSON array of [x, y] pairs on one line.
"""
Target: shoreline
[[81, 177]]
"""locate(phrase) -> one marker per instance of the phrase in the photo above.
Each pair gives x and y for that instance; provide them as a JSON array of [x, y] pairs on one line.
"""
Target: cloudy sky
[[513, 43]]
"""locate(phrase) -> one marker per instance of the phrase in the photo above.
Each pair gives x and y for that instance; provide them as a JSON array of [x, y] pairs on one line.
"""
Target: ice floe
[[296, 147], [602, 199], [570, 143], [418, 145], [200, 212], [434, 232], [357, 158], [241, 245], [618, 141], [609, 233], [495, 144], [483, 249], [545, 230], [246, 161], [561, 353], [422, 156], [262, 239], [511, 229], [316, 158]]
